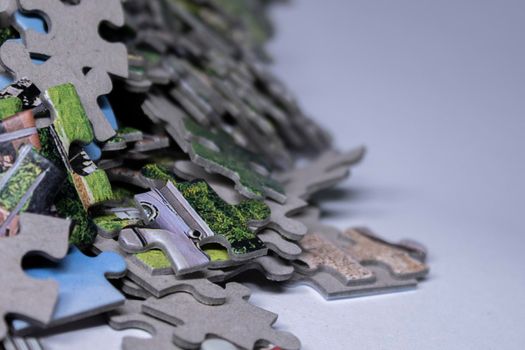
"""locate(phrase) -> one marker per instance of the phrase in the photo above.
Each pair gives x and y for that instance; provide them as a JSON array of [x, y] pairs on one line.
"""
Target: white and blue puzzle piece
[[83, 288]]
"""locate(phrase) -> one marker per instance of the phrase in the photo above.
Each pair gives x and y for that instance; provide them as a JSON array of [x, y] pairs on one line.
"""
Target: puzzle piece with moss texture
[[70, 125], [354, 263], [217, 152], [113, 220], [160, 285], [229, 223]]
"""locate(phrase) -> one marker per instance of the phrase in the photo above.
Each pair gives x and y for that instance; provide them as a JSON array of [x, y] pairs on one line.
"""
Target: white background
[[436, 90]]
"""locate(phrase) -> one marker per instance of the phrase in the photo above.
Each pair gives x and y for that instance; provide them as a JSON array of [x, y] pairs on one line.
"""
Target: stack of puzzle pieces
[[148, 159]]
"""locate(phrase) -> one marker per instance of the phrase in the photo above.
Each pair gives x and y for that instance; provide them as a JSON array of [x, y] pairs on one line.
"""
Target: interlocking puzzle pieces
[[161, 285], [236, 320], [229, 223], [353, 263], [216, 151], [83, 288], [278, 221], [42, 235], [86, 67]]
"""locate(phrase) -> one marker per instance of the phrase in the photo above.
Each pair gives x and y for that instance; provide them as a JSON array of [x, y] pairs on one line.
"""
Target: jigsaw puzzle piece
[[280, 246], [323, 172], [41, 235], [370, 250], [161, 285], [70, 126], [236, 321], [280, 219], [185, 257], [229, 223], [83, 287], [331, 287], [216, 152], [130, 315]]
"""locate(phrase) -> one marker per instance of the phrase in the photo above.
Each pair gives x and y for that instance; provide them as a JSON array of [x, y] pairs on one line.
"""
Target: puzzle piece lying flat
[[278, 218], [216, 152], [236, 321], [182, 253], [330, 287], [353, 263], [323, 172], [130, 316], [38, 234], [280, 212], [280, 246], [374, 250], [161, 285], [229, 223], [83, 288]]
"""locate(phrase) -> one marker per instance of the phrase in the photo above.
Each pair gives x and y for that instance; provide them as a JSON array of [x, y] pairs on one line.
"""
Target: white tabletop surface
[[436, 91]]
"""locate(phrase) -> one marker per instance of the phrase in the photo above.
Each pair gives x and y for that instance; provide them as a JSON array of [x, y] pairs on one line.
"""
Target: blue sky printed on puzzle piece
[[83, 288]]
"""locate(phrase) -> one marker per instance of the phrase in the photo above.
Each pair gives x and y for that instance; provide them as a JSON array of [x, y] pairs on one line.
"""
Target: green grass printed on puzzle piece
[[232, 157], [98, 183], [18, 184], [230, 221], [71, 122], [111, 223], [9, 106]]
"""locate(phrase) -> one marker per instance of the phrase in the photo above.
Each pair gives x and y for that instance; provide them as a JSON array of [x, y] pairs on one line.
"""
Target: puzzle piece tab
[[236, 321], [38, 234], [83, 288]]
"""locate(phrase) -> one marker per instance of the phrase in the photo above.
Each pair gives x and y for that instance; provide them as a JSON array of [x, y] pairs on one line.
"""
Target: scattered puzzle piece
[[38, 234], [83, 288], [236, 321], [130, 316]]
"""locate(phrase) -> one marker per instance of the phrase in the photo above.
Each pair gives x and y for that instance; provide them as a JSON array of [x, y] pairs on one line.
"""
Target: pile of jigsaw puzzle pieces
[[148, 159]]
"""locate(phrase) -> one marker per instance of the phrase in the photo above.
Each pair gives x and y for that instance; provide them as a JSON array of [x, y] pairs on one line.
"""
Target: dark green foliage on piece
[[219, 148], [229, 221]]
